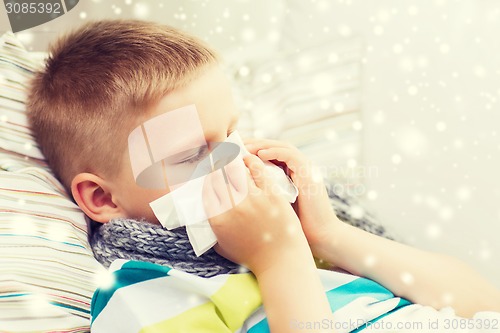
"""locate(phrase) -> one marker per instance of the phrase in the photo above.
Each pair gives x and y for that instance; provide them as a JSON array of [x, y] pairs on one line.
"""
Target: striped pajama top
[[146, 297]]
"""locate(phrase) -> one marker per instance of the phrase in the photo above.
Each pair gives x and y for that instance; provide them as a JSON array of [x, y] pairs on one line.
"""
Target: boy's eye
[[200, 154]]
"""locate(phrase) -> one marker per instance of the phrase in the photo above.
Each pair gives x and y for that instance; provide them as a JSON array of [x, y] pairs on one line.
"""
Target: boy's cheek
[[136, 203]]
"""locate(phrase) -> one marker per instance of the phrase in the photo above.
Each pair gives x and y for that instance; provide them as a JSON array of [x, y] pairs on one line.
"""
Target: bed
[[48, 272]]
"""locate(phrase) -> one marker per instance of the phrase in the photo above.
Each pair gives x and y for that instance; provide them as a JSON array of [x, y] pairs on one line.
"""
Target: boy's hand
[[262, 230], [312, 206], [263, 233]]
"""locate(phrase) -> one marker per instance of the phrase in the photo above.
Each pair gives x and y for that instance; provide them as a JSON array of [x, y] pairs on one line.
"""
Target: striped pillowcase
[[16, 68], [48, 272]]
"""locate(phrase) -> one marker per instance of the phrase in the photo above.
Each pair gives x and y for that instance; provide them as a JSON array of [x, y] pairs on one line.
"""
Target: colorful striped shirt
[[145, 297]]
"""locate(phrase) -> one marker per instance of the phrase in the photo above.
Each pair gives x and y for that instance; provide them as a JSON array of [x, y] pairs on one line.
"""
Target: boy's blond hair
[[97, 83]]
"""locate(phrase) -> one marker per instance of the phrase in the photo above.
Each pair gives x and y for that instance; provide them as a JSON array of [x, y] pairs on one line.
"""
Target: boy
[[110, 77]]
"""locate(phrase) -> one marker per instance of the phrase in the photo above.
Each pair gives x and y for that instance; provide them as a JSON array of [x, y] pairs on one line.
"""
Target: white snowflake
[[446, 213], [441, 126], [371, 195], [104, 278], [356, 211], [433, 231], [412, 90], [463, 193], [407, 278], [396, 159], [141, 10]]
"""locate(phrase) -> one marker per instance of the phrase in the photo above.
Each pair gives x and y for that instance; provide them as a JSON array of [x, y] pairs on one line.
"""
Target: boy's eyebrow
[[183, 146]]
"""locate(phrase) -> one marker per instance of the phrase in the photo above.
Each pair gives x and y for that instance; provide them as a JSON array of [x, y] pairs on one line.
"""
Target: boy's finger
[[210, 199], [258, 171], [248, 140], [236, 174], [219, 185], [265, 142], [254, 145], [285, 155], [238, 179]]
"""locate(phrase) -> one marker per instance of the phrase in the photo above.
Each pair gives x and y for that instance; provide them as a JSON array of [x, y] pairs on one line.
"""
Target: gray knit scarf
[[141, 240]]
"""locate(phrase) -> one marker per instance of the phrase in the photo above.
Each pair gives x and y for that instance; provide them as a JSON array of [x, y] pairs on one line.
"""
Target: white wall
[[431, 121], [431, 117], [431, 89]]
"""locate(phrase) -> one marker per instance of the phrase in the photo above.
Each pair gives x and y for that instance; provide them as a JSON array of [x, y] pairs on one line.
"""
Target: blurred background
[[398, 100]]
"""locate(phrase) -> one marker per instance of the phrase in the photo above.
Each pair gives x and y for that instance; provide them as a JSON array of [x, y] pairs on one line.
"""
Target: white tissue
[[184, 205]]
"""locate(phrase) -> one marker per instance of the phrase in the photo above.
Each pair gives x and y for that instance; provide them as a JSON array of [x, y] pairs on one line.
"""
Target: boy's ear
[[93, 197]]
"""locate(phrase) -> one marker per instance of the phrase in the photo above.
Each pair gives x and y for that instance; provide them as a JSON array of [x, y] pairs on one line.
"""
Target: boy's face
[[217, 114]]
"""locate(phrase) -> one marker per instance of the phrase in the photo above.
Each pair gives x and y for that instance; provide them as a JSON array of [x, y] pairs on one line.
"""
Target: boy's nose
[[223, 154]]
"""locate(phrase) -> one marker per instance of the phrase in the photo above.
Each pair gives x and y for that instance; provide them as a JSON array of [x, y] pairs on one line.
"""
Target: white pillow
[[48, 272]]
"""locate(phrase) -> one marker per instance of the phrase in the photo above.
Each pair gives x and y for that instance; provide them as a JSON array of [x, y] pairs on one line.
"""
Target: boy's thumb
[[258, 171]]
